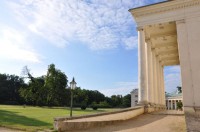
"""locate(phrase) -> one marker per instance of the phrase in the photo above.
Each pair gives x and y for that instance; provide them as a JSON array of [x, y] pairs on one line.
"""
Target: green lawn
[[36, 118]]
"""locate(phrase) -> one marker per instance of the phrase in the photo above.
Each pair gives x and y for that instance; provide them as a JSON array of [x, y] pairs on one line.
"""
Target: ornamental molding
[[163, 7], [182, 21], [140, 28]]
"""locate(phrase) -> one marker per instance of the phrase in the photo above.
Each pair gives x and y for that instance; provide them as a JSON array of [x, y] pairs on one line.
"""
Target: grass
[[36, 118]]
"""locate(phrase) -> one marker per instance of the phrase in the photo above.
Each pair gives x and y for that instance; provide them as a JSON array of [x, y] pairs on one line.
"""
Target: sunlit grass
[[36, 118]]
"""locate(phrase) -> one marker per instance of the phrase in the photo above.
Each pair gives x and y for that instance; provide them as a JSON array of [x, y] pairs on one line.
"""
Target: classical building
[[134, 97], [169, 34], [172, 99]]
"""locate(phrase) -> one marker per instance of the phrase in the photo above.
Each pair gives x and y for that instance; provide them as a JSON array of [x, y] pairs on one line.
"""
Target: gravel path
[[156, 122]]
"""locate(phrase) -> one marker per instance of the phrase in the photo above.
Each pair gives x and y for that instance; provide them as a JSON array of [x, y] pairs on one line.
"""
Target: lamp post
[[72, 86]]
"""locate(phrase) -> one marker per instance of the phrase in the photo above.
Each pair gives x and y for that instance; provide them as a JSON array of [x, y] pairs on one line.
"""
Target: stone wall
[[87, 121]]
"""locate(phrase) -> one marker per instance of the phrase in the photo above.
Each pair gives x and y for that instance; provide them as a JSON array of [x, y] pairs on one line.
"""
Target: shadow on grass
[[12, 118], [77, 109]]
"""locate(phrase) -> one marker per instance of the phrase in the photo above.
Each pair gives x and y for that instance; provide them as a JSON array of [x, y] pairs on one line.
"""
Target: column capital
[[181, 21], [140, 28], [148, 40], [153, 49]]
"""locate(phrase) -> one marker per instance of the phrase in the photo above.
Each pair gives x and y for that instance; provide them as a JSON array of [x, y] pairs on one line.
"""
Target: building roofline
[[149, 5], [134, 90]]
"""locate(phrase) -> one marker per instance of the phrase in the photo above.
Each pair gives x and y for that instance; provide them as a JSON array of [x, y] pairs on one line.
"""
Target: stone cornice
[[180, 21], [164, 7]]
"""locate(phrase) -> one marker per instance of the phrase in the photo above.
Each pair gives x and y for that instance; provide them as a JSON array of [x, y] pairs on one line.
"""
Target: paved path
[[169, 121], [2, 129]]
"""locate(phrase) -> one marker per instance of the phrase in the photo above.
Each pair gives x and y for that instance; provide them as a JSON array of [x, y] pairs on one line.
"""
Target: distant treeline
[[52, 90]]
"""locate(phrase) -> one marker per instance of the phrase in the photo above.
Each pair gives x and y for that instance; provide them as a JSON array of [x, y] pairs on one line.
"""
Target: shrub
[[104, 104], [179, 105], [94, 106], [83, 107], [11, 103]]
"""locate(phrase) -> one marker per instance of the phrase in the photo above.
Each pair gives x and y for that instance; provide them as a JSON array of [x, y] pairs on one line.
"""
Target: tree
[[104, 104], [179, 89], [45, 90], [9, 89], [51, 90], [34, 93], [55, 83], [26, 73], [116, 100], [95, 96], [3, 88], [127, 100], [80, 97]]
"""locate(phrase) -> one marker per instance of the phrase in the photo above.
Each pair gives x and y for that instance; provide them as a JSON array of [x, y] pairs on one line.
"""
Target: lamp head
[[73, 84]]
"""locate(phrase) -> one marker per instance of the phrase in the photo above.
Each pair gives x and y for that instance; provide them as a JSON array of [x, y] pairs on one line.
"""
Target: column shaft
[[171, 104], [158, 81], [149, 72], [175, 104], [163, 83], [152, 78], [168, 104], [142, 91], [161, 86], [155, 78]]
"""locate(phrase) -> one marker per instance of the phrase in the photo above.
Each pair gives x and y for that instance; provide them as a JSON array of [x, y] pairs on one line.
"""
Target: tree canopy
[[52, 90]]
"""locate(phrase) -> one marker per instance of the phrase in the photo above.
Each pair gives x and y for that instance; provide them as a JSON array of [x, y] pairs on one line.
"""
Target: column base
[[151, 107], [142, 103], [158, 107], [192, 118]]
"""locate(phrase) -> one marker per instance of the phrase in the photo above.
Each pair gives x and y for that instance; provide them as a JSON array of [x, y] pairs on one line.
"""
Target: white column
[[142, 91], [168, 104], [149, 72], [185, 62], [175, 104], [155, 78], [158, 81], [160, 88], [152, 78], [163, 82], [171, 104]]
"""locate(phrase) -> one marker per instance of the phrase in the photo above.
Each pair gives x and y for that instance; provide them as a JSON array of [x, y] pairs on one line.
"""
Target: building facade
[[172, 99], [168, 34], [134, 97]]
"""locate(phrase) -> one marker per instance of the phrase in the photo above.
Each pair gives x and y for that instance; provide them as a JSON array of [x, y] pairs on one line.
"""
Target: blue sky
[[93, 40]]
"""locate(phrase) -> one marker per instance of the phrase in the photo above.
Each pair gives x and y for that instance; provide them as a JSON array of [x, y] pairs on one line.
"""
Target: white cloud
[[14, 46], [121, 88], [131, 42], [99, 24]]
